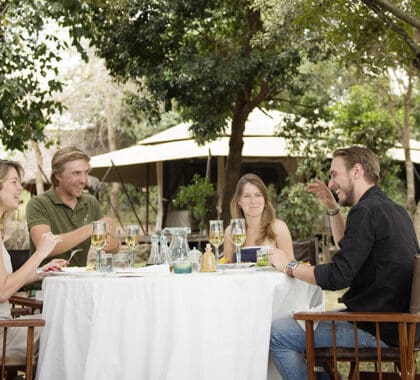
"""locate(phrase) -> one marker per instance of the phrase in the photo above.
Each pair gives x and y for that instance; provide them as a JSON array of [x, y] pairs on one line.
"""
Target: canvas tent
[[138, 164], [151, 161]]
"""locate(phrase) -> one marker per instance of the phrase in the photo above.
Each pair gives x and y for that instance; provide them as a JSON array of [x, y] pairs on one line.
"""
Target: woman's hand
[[324, 194], [47, 244], [54, 265]]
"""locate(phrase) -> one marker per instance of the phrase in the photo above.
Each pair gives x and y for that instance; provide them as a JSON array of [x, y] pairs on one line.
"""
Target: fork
[[73, 253]]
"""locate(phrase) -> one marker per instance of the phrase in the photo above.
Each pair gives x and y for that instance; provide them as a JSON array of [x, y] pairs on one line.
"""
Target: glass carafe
[[179, 243]]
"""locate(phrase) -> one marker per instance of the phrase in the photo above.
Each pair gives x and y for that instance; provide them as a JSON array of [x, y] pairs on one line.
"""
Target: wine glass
[[98, 240], [132, 239], [216, 236], [238, 236]]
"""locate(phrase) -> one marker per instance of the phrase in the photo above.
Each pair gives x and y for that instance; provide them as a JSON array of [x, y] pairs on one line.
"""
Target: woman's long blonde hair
[[5, 166], [268, 216]]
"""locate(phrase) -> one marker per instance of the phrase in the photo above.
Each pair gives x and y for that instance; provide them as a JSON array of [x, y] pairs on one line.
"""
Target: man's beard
[[349, 196]]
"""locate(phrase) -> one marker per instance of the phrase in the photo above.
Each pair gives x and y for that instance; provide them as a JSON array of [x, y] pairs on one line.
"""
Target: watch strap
[[290, 266]]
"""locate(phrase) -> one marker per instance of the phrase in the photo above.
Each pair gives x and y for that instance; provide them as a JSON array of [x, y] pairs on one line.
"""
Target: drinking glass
[[98, 240], [132, 239], [216, 236], [238, 236]]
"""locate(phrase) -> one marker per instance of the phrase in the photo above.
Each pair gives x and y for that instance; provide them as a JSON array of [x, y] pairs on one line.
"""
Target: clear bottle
[[154, 257], [165, 252]]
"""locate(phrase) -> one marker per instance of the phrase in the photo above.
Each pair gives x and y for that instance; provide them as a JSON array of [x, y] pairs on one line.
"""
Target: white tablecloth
[[189, 327]]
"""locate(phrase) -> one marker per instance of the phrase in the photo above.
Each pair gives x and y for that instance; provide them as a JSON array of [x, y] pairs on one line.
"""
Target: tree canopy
[[210, 59], [27, 73], [371, 34]]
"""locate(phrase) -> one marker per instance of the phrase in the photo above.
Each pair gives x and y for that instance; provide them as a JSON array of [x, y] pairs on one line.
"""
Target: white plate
[[76, 271], [127, 274], [268, 268], [235, 266]]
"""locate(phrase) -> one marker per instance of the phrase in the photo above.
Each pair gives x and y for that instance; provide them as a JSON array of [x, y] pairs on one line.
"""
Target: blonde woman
[[10, 189], [251, 202]]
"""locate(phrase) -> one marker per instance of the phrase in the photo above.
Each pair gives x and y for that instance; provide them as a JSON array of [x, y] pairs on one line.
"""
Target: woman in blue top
[[251, 202]]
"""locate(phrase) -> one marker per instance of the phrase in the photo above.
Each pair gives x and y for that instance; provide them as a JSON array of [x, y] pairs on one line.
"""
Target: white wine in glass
[[132, 239], [238, 236], [216, 236], [98, 240]]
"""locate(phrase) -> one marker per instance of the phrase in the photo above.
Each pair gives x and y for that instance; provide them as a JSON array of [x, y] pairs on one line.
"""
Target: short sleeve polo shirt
[[49, 209]]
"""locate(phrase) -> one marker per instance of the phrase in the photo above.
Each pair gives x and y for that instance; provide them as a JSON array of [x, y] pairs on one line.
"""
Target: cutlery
[[73, 253]]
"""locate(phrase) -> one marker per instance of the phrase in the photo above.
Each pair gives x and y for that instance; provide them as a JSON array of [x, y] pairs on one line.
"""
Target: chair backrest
[[415, 296], [415, 287], [306, 250], [18, 257]]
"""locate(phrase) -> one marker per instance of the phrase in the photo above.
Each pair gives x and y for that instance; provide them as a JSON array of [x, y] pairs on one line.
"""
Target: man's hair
[[61, 157], [363, 156]]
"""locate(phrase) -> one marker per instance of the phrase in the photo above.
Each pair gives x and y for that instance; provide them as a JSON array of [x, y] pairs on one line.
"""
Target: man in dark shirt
[[377, 245]]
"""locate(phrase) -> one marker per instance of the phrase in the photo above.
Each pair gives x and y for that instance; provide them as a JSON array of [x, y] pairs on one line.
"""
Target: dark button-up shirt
[[375, 260]]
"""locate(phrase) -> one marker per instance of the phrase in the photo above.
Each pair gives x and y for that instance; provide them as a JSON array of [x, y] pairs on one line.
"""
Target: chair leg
[[351, 371], [329, 369], [11, 374]]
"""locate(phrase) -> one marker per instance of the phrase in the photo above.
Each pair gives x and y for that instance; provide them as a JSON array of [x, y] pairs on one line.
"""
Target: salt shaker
[[194, 256]]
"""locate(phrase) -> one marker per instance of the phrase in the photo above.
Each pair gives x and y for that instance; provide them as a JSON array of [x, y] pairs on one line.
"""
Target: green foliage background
[[195, 198]]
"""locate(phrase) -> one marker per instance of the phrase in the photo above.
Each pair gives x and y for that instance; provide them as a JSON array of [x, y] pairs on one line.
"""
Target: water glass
[[120, 261], [105, 264], [262, 257]]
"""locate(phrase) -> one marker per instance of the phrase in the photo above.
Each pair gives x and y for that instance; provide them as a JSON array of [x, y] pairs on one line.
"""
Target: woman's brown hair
[[5, 167]]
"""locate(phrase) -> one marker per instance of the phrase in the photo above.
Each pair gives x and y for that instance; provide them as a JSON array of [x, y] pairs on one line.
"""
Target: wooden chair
[[9, 365], [404, 356], [25, 306], [307, 250]]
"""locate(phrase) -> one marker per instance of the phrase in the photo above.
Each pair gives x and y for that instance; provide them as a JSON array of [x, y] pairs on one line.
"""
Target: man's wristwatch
[[290, 266]]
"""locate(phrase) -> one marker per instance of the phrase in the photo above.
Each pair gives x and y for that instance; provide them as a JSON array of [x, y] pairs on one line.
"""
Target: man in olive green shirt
[[67, 210]]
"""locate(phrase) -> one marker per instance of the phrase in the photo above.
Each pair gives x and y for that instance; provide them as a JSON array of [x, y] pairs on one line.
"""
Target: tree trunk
[[234, 159], [417, 221], [411, 198], [39, 180], [112, 146]]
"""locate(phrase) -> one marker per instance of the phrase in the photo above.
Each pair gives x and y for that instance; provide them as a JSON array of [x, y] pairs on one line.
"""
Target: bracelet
[[285, 268], [334, 211]]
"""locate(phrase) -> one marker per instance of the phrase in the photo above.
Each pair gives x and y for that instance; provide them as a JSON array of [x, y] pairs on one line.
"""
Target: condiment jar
[[208, 260]]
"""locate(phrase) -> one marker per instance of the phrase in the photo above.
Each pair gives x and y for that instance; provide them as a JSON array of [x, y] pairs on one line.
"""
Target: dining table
[[160, 325]]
